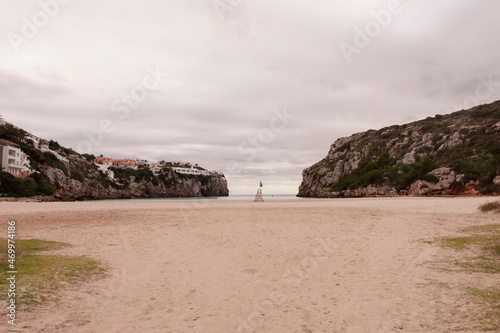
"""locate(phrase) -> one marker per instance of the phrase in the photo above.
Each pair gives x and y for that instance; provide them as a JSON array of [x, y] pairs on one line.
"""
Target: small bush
[[490, 206], [27, 187], [77, 175], [54, 162], [89, 157]]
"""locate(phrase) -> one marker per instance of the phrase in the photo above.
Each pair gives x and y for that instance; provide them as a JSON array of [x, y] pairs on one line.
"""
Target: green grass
[[487, 236], [494, 249], [460, 243], [484, 314], [493, 206], [487, 228], [41, 275], [488, 307], [481, 264], [30, 246]]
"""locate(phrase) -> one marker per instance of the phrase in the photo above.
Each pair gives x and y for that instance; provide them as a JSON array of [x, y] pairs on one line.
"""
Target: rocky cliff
[[455, 154], [167, 185], [60, 173]]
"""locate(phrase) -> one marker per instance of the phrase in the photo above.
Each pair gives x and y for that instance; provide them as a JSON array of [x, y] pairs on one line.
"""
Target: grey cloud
[[226, 77], [14, 86]]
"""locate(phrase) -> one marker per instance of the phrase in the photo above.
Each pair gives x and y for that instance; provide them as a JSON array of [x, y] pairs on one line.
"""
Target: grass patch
[[493, 206], [481, 229], [435, 283], [459, 243], [481, 264], [484, 314], [31, 246], [488, 307], [494, 249], [42, 276], [487, 236]]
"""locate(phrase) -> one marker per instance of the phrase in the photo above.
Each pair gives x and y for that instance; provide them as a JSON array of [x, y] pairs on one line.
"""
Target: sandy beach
[[343, 265]]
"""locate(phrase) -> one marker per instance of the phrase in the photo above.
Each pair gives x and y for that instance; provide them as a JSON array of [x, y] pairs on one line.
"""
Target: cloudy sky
[[256, 89]]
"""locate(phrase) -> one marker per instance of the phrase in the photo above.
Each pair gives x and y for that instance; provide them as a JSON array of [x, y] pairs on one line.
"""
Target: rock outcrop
[[59, 173], [95, 187], [455, 154]]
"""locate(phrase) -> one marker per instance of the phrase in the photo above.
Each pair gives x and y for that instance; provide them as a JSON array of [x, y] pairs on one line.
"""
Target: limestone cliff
[[96, 187], [455, 154], [59, 173]]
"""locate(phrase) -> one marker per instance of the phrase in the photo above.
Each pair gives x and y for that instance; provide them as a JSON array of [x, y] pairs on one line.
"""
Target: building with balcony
[[13, 160], [191, 171], [156, 168], [125, 164], [38, 142]]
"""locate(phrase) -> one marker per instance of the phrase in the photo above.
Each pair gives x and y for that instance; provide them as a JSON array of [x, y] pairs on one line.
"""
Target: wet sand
[[342, 265]]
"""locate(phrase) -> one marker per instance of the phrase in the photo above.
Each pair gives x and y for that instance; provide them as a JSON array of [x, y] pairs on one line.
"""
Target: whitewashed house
[[191, 171], [13, 160]]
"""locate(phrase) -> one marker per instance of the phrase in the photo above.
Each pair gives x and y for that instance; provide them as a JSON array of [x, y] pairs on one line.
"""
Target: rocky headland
[[454, 154]]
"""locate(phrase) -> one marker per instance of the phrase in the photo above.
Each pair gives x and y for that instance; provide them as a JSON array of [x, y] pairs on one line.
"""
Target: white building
[[14, 161], [105, 169], [142, 162], [55, 153], [191, 171], [38, 142], [156, 168]]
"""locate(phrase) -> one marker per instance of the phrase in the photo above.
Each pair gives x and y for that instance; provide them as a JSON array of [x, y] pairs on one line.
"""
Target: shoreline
[[276, 197]]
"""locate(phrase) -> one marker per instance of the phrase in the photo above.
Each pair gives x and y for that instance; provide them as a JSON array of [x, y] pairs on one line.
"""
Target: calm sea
[[235, 197]]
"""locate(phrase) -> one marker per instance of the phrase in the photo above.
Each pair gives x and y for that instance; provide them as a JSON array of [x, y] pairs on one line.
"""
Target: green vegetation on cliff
[[68, 175], [385, 170], [445, 154], [35, 184]]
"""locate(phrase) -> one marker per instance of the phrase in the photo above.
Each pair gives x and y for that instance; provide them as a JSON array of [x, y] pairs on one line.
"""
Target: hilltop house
[[156, 168], [191, 171], [13, 160], [125, 163], [105, 163], [8, 153], [39, 143], [103, 160], [106, 171]]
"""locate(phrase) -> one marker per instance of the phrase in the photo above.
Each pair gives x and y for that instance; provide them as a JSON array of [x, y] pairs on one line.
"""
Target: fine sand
[[341, 265]]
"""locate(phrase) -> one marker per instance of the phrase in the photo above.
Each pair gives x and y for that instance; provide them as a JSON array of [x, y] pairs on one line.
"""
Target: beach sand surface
[[308, 265]]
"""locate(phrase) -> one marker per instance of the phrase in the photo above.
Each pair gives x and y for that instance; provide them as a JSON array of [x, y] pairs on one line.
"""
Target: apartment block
[[13, 160]]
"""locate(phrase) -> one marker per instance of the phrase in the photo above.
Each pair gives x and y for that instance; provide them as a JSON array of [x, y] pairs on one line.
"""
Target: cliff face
[[455, 154], [59, 173], [97, 188]]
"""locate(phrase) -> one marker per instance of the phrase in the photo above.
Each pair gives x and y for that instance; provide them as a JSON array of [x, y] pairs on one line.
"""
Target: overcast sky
[[256, 89]]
